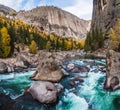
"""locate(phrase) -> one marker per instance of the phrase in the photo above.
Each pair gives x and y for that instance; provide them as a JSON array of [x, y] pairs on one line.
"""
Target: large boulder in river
[[3, 67], [43, 91], [49, 67], [113, 70]]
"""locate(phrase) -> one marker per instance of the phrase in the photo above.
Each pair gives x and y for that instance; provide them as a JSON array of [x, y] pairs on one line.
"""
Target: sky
[[80, 8]]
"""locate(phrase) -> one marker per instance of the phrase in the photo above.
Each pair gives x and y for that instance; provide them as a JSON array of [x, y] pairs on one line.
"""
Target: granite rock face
[[113, 70], [105, 13], [56, 20]]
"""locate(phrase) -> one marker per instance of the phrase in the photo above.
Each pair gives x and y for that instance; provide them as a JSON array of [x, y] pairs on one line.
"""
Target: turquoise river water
[[89, 95]]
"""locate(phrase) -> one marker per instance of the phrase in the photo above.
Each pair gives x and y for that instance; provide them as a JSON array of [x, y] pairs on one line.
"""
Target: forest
[[14, 34]]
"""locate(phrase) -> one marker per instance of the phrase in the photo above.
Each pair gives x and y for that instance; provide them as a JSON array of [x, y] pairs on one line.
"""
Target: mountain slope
[[55, 20], [5, 10]]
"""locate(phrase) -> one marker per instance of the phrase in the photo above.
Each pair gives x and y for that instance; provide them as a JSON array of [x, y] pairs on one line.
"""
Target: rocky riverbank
[[51, 68], [49, 95], [22, 62]]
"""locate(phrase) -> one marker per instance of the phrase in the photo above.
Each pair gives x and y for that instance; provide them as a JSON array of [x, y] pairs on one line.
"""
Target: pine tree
[[87, 46]]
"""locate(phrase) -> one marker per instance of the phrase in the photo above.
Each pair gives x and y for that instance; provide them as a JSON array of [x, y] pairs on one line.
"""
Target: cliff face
[[113, 71], [5, 10], [105, 13], [55, 20]]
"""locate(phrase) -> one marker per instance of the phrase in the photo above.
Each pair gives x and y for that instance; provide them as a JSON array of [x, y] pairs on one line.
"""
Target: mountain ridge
[[55, 20], [5, 9]]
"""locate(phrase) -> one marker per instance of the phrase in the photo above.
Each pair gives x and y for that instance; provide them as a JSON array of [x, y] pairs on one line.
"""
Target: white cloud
[[29, 5], [19, 4], [81, 8], [15, 4]]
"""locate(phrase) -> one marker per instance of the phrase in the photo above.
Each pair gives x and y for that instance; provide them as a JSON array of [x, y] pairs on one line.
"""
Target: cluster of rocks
[[46, 86], [22, 62]]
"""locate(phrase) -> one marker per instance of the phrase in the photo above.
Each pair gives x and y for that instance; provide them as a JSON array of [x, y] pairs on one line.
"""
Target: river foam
[[89, 95]]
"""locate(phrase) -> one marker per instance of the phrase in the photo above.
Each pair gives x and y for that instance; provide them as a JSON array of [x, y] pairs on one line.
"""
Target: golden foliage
[[48, 45], [7, 50], [5, 36], [51, 37], [33, 47], [115, 36], [82, 43], [5, 43]]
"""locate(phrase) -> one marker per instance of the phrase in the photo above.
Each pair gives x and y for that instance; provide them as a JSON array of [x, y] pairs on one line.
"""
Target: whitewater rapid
[[89, 95]]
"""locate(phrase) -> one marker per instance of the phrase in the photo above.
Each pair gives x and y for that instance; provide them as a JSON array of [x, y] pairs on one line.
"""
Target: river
[[88, 95]]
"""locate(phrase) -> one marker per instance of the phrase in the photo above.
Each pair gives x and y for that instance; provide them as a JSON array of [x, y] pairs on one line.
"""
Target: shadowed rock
[[113, 71], [6, 102], [3, 67]]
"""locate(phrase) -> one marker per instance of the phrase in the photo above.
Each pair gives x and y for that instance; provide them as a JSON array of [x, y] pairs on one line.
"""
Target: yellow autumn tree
[[5, 42], [82, 43], [51, 37], [67, 44], [60, 42], [33, 47], [48, 45], [115, 36]]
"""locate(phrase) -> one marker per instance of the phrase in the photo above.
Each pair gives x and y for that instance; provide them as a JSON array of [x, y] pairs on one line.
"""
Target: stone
[[22, 61], [49, 67], [78, 69], [59, 87], [75, 82], [72, 83], [3, 67], [113, 70], [70, 66], [10, 68], [43, 91]]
